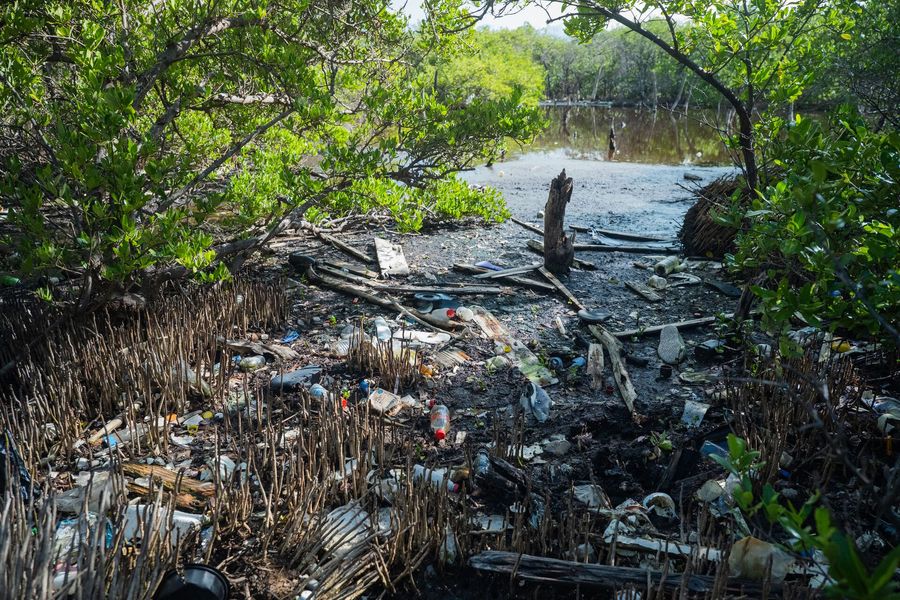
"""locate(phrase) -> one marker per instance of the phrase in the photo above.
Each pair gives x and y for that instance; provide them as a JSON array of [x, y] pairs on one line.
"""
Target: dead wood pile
[[701, 234]]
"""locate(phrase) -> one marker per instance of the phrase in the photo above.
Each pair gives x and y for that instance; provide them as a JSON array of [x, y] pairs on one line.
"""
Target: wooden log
[[679, 324], [523, 281], [538, 247], [622, 235], [643, 290], [559, 248], [550, 571], [559, 285], [627, 249], [369, 296], [620, 373], [104, 431], [508, 272], [353, 268], [412, 289], [170, 479]]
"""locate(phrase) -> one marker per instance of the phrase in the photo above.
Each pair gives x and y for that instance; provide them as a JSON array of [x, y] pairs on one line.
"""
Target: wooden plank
[[550, 571], [559, 285], [508, 272], [538, 247], [595, 365], [643, 290], [523, 281], [390, 258], [170, 479], [620, 373]]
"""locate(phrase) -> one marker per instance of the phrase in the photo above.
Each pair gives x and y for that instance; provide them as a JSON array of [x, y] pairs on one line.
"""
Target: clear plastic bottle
[[440, 421]]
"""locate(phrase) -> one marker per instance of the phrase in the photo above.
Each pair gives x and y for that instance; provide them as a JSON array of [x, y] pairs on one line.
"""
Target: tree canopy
[[144, 140]]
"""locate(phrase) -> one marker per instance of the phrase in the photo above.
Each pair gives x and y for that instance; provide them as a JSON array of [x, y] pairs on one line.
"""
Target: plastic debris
[[437, 477], [660, 504], [592, 496], [657, 283], [750, 558], [252, 363], [536, 402], [693, 413], [298, 378], [440, 421]]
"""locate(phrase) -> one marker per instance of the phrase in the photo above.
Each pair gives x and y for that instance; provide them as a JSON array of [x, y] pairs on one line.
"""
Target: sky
[[532, 15]]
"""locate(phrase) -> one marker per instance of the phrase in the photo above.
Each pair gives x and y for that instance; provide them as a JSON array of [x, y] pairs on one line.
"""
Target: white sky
[[531, 14]]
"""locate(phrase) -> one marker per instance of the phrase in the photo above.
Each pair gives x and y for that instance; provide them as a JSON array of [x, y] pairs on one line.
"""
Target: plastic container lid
[[440, 434]]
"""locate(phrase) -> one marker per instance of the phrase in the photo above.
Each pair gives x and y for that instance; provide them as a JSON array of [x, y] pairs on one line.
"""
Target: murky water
[[642, 136]]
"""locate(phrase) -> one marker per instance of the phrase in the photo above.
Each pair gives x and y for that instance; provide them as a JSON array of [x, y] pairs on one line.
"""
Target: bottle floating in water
[[440, 421]]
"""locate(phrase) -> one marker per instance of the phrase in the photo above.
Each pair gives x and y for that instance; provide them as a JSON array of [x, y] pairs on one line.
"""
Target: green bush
[[827, 231]]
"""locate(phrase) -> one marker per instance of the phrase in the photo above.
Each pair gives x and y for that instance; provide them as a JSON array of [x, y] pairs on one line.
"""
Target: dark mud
[[608, 446]]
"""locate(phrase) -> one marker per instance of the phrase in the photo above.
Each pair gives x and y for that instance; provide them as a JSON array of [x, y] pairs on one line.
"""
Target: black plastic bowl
[[194, 582]]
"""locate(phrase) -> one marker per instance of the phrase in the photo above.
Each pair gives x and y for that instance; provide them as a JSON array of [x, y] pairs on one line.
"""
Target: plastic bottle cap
[[440, 434]]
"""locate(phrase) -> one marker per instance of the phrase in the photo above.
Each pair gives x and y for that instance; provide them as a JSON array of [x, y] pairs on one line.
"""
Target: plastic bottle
[[481, 463], [440, 421], [437, 477]]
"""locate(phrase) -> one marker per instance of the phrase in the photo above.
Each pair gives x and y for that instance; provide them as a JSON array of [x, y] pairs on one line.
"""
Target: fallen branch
[[370, 296], [563, 572], [679, 324], [523, 281], [620, 373], [559, 285], [346, 248], [508, 272]]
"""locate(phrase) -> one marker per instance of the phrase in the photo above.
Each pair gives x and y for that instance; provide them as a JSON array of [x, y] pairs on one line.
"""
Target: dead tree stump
[[559, 248]]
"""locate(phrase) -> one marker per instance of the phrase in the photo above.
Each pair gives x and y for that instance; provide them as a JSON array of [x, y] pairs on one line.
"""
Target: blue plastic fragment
[[488, 265], [579, 362], [290, 336]]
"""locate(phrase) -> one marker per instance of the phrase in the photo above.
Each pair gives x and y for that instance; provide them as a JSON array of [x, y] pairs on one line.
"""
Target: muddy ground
[[607, 445]]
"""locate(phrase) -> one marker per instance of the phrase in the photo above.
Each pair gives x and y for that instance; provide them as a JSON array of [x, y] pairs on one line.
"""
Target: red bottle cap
[[451, 312], [440, 434]]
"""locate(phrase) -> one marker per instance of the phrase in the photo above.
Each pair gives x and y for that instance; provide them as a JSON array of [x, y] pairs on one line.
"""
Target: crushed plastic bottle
[[536, 401], [251, 363], [382, 330], [440, 421], [436, 476]]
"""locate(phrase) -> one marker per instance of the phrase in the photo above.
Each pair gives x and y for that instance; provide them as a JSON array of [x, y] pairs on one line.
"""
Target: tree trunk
[[559, 248]]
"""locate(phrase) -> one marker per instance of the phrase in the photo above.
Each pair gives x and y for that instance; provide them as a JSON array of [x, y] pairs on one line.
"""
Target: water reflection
[[642, 136]]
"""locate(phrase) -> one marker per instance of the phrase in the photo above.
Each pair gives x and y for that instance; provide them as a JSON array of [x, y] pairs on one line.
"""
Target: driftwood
[[595, 365], [508, 272], [620, 373], [549, 571], [559, 285], [528, 226], [643, 290], [679, 324], [370, 296], [584, 265], [346, 248], [628, 249], [559, 248], [523, 281], [353, 268], [411, 289], [170, 480], [622, 235]]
